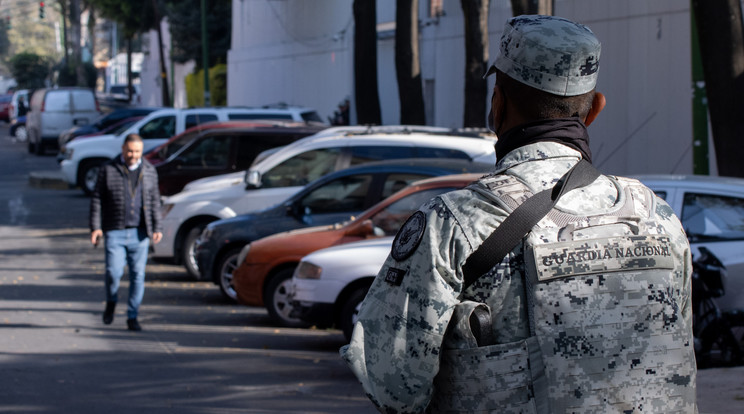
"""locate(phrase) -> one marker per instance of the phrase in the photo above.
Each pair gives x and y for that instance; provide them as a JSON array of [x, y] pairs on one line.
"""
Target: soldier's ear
[[598, 104]]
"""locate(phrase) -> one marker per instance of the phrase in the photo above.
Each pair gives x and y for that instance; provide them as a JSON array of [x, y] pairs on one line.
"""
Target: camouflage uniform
[[581, 323]]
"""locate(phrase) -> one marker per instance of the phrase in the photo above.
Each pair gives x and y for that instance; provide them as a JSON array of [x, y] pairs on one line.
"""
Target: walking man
[[580, 306], [125, 211]]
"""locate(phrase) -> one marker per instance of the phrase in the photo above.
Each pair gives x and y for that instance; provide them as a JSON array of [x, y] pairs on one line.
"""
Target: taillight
[[98, 108]]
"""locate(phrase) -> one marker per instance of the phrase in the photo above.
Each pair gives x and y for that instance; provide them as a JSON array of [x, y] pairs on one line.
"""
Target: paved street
[[198, 353]]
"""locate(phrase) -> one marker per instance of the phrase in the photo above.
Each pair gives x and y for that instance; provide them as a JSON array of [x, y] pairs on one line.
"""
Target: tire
[[31, 147], [350, 311], [39, 148], [226, 265], [188, 252], [276, 299], [88, 175], [21, 133]]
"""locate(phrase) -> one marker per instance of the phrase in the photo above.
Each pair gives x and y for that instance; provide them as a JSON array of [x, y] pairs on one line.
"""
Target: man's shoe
[[133, 325], [108, 314]]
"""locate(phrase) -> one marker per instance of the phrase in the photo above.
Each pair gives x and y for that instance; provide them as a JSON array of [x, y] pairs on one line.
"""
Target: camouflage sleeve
[[395, 346]]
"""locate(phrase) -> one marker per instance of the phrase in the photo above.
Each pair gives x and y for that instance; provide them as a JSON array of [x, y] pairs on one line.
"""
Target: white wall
[[150, 75], [301, 52]]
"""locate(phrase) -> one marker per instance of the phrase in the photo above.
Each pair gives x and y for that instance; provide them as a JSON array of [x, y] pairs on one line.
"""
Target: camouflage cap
[[549, 53]]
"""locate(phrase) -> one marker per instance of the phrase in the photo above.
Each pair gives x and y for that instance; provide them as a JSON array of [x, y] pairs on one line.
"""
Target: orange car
[[266, 265]]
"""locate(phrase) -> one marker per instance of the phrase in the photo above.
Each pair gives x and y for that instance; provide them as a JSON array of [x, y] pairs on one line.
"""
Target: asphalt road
[[197, 353]]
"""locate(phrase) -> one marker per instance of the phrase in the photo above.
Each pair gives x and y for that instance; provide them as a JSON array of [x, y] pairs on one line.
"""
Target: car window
[[311, 116], [429, 152], [248, 149], [210, 152], [364, 154], [392, 217], [302, 168], [343, 194], [83, 101], [173, 146], [56, 101], [707, 217], [397, 182], [259, 116], [161, 127], [662, 194], [196, 119]]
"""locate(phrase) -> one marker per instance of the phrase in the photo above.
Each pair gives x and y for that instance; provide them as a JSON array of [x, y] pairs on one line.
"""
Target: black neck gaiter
[[567, 131]]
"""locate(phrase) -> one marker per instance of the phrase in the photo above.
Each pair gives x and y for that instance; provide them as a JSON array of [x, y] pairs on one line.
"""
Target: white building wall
[[301, 52], [150, 82]]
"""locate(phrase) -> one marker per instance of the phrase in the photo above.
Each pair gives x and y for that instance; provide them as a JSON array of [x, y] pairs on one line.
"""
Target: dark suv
[[219, 148]]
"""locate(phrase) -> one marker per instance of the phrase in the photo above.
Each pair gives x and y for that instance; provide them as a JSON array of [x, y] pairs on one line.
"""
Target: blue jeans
[[130, 247]]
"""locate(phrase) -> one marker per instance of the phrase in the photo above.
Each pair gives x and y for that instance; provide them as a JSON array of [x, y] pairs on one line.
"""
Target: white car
[[329, 285], [711, 210], [82, 157], [283, 173]]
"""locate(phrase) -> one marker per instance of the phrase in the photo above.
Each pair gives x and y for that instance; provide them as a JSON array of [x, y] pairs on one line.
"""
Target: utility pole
[[205, 54]]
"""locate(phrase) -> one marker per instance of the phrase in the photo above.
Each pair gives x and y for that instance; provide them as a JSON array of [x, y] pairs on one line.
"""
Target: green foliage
[[217, 87], [133, 16], [29, 70], [67, 76], [184, 17]]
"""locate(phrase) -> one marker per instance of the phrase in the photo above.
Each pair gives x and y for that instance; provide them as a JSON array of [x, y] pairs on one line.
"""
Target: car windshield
[[708, 217], [122, 126], [392, 217], [172, 147]]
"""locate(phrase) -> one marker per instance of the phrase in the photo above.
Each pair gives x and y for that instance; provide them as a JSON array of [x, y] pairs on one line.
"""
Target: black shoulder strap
[[522, 220]]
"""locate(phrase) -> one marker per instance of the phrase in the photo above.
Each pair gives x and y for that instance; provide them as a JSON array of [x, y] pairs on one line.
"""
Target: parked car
[[17, 111], [219, 148], [711, 210], [81, 158], [329, 285], [53, 111], [285, 172], [269, 262], [18, 129], [5, 107], [102, 123]]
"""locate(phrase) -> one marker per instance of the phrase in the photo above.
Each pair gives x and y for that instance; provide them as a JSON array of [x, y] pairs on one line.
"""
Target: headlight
[[67, 152], [243, 254], [307, 270]]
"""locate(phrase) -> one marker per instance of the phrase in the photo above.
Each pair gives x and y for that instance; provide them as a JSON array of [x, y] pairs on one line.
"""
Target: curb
[[48, 179]]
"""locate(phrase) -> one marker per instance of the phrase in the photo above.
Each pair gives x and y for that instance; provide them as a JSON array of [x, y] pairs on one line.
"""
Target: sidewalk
[[721, 390]]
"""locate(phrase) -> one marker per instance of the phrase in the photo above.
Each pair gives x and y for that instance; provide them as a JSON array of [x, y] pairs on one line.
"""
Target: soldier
[[589, 312]]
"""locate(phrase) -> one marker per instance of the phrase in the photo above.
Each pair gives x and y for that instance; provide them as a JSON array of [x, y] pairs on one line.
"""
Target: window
[[341, 195], [302, 169], [364, 154], [397, 182], [158, 128], [707, 217], [57, 101], [311, 116], [393, 216], [427, 152], [260, 116], [249, 148], [196, 119], [211, 152], [83, 100]]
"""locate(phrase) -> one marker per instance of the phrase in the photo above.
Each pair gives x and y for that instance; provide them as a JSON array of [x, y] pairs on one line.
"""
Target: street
[[198, 353]]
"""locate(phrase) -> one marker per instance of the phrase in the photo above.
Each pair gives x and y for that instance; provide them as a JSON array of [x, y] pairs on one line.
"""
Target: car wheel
[[188, 251], [350, 311], [21, 133], [276, 299], [39, 148], [88, 176], [227, 264]]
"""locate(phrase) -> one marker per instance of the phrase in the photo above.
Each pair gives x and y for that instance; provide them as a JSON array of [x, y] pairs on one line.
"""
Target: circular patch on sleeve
[[409, 236]]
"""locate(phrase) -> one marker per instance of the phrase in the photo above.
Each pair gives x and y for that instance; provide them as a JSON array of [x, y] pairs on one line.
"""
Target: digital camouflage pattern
[[549, 53], [622, 334]]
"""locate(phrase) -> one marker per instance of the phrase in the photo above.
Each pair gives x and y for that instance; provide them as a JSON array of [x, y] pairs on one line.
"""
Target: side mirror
[[252, 179], [361, 229]]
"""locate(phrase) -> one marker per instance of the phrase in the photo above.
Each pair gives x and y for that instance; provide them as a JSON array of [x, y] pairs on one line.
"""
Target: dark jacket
[[107, 203]]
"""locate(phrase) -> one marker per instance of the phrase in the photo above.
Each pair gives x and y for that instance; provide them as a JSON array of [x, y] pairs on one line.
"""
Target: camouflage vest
[[606, 331]]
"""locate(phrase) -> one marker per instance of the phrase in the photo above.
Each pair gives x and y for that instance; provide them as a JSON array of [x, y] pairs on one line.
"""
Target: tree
[[184, 17], [720, 32], [520, 7], [29, 70], [365, 62], [407, 64], [476, 61]]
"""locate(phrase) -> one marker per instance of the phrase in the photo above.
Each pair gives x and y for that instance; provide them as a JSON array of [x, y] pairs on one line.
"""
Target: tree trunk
[[407, 64], [476, 61], [722, 51], [520, 7], [367, 99], [76, 61], [163, 73], [129, 69], [65, 34]]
